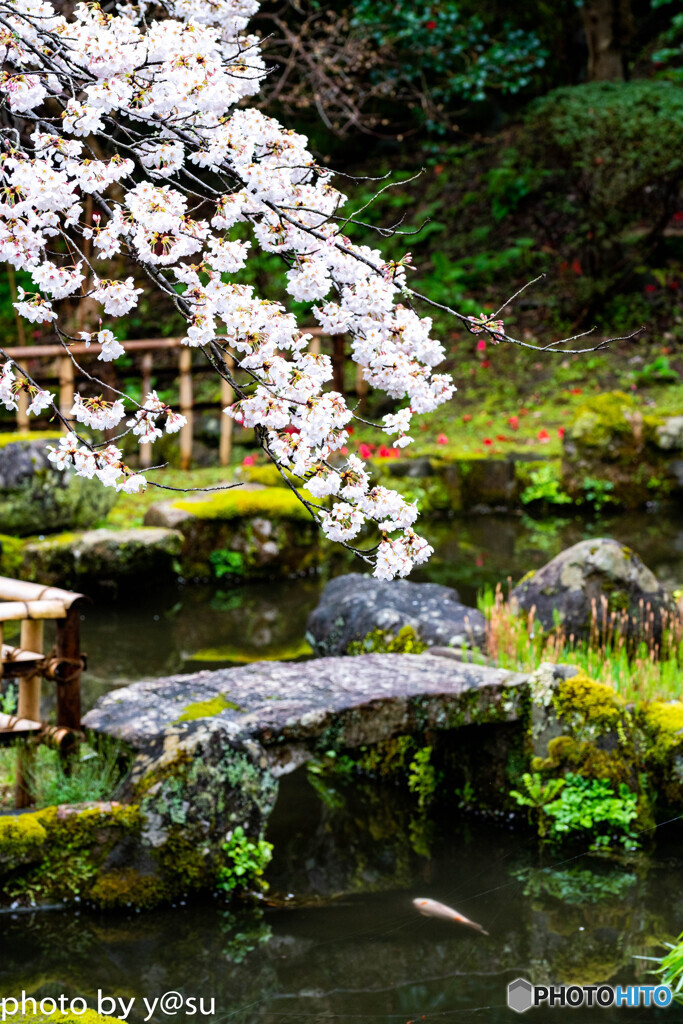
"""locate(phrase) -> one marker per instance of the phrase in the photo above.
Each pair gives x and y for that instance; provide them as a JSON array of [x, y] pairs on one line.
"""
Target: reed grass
[[622, 651]]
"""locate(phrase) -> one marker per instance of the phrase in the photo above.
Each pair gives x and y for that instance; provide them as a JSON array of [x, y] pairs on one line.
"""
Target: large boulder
[[352, 606], [35, 497], [592, 577]]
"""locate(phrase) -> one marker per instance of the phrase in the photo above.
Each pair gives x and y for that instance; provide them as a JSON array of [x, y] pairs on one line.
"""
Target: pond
[[186, 628], [350, 947], [337, 938]]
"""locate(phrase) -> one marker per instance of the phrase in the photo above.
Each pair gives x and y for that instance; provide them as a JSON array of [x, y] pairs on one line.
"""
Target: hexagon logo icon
[[520, 995]]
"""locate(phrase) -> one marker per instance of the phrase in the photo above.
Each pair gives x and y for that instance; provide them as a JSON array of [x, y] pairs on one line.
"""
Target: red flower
[[560, 432], [388, 453], [349, 430], [523, 412], [514, 422], [575, 391], [481, 345], [467, 417], [650, 288], [543, 436], [365, 450], [576, 267], [248, 460], [678, 215], [501, 437], [431, 25], [485, 363], [488, 441], [442, 439], [344, 450]]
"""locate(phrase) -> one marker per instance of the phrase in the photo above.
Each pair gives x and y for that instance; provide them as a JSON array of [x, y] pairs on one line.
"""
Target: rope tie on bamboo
[[50, 667]]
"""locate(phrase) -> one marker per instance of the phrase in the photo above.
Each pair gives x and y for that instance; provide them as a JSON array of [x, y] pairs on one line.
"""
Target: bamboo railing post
[[227, 398], [28, 707], [146, 387], [185, 368], [68, 646], [314, 345], [66, 386]]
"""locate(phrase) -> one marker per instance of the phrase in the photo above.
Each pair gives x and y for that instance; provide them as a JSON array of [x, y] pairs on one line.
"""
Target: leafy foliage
[[451, 50], [423, 778], [245, 862], [590, 808]]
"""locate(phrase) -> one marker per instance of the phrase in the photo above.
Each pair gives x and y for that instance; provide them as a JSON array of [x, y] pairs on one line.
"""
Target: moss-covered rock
[[662, 726], [595, 586], [37, 497], [107, 562], [22, 839], [252, 532]]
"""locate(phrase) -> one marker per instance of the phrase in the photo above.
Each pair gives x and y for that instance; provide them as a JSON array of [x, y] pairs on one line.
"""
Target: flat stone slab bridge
[[292, 710]]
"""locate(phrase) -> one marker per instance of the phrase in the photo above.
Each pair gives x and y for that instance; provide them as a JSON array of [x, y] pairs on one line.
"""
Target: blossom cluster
[[147, 116]]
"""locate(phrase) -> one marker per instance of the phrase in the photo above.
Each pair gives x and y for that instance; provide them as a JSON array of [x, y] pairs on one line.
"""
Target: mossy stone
[[35, 496]]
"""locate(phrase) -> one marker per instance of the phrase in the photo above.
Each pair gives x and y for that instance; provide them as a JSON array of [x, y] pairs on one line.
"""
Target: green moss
[[587, 706], [11, 555], [238, 656], [268, 475], [89, 1017], [379, 641], [175, 766], [598, 420], [22, 838], [76, 842], [38, 435], [238, 504], [207, 708], [583, 758], [527, 577], [126, 888]]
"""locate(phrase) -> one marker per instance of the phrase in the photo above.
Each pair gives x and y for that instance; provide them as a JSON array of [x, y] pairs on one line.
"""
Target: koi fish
[[432, 908]]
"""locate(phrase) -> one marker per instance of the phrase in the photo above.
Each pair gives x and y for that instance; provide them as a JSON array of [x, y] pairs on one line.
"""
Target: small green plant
[[590, 808], [8, 700], [597, 492], [245, 862], [545, 485], [92, 775], [659, 371], [539, 793], [226, 563], [423, 778]]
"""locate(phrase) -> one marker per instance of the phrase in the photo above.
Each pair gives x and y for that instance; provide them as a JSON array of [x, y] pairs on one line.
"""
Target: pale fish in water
[[432, 908]]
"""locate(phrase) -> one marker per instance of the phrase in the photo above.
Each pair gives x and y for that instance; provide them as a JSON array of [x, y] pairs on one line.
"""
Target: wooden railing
[[146, 348], [31, 604]]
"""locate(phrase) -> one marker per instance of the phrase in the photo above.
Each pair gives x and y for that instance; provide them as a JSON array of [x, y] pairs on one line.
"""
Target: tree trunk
[[607, 24]]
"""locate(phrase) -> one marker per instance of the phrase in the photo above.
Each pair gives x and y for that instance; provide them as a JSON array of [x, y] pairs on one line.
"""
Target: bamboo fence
[[31, 604], [146, 348]]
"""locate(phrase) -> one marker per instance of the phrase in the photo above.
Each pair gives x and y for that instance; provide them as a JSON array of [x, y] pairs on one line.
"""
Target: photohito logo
[[522, 995]]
